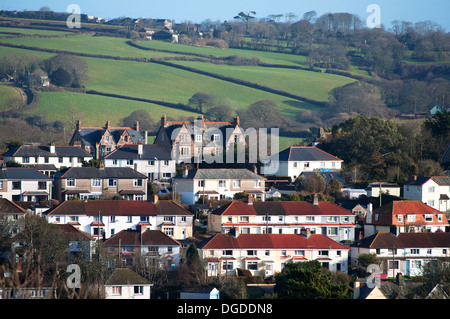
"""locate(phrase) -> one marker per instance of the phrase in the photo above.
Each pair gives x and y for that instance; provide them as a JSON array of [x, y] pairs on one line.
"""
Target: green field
[[163, 83], [9, 97]]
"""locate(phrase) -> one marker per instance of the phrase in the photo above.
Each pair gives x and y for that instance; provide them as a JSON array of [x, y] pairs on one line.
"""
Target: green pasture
[[9, 97]]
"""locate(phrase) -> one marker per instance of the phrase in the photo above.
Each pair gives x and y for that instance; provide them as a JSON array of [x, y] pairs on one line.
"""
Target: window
[[222, 183], [332, 219], [130, 162], [306, 164], [332, 231], [227, 265], [42, 185], [168, 219], [60, 159], [143, 218], [73, 218], [227, 252], [151, 163], [183, 219], [168, 231], [323, 252], [198, 138], [70, 182], [243, 219], [114, 162], [112, 219], [26, 160], [236, 183], [251, 252], [428, 218], [96, 182], [253, 265], [185, 151], [129, 219], [137, 182], [183, 138], [216, 138], [138, 290], [166, 163], [430, 202], [431, 189], [116, 290], [411, 218], [201, 183], [439, 216], [112, 182], [400, 218], [283, 253], [299, 253], [166, 175], [257, 184], [415, 251]]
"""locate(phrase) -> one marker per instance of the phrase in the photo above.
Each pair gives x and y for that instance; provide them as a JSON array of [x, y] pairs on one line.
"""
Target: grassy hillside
[[10, 97], [164, 83]]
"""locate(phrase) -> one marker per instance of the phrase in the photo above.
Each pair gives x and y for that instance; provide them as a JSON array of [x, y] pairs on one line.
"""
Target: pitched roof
[[221, 173], [8, 207], [94, 172], [282, 208], [270, 241], [405, 240], [72, 232], [168, 207], [130, 237], [150, 151], [22, 173], [44, 151], [92, 135], [125, 276], [387, 214], [105, 207], [305, 154]]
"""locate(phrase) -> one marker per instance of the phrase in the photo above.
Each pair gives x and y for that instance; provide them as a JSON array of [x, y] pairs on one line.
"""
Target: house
[[433, 191], [35, 286], [185, 140], [405, 253], [11, 217], [354, 193], [200, 293], [374, 189], [404, 217], [48, 159], [217, 184], [81, 244], [24, 184], [100, 183], [283, 217], [148, 159], [152, 248], [118, 215], [100, 141], [436, 109], [127, 284], [267, 254], [295, 160]]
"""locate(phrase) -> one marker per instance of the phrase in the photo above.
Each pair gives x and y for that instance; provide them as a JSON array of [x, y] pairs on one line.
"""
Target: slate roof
[[220, 173], [8, 207], [44, 151], [168, 207], [270, 241], [93, 172], [92, 135], [305, 154], [440, 180], [125, 276], [150, 151], [327, 176], [22, 173]]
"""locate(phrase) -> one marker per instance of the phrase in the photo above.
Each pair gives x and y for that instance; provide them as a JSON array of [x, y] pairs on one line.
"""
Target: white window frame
[[71, 182]]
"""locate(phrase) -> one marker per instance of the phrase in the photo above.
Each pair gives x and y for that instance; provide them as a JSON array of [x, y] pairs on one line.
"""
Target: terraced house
[[284, 217], [267, 254]]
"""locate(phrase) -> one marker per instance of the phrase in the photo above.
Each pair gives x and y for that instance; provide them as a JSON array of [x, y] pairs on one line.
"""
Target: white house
[[126, 284], [216, 184], [24, 184], [267, 254], [118, 215], [405, 253], [433, 191], [48, 158], [373, 189], [148, 159], [294, 160]]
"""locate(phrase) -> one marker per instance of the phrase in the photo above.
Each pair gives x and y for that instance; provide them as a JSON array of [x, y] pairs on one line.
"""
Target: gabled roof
[[92, 135], [94, 172], [440, 180], [387, 214], [22, 173], [168, 207], [221, 173], [72, 232], [149, 237], [105, 207], [270, 241], [405, 240], [150, 151], [8, 207], [282, 208], [44, 151], [125, 276], [305, 154]]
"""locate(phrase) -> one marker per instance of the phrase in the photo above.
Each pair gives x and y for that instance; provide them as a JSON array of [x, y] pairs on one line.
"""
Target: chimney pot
[[185, 171], [315, 200], [155, 198], [249, 200]]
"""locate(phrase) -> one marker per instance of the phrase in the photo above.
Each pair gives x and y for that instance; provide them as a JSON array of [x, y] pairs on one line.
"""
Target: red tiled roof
[[387, 214], [133, 238], [235, 208], [405, 240], [270, 241]]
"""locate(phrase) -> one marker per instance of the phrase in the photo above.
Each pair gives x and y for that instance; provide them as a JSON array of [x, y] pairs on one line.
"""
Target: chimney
[[369, 213], [163, 120], [145, 137], [236, 120], [249, 200], [107, 125], [315, 200], [78, 127], [140, 148], [356, 288], [136, 126], [413, 178], [101, 165], [52, 148], [185, 171], [155, 198], [305, 232], [255, 169], [200, 118]]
